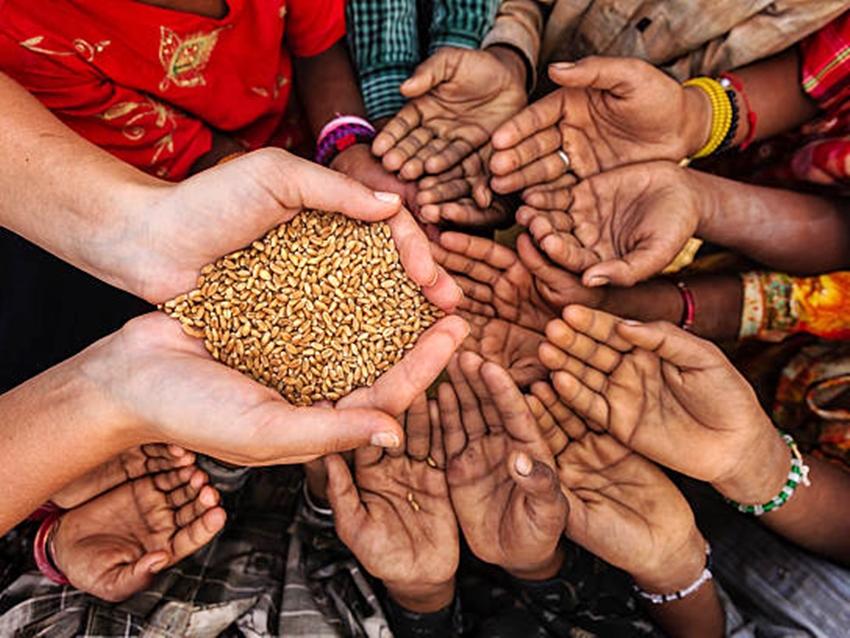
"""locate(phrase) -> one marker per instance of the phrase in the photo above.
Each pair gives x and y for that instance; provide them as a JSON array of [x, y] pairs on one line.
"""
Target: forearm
[[774, 91], [330, 87], [717, 301], [784, 230], [61, 192], [816, 517], [519, 25], [698, 614], [55, 427]]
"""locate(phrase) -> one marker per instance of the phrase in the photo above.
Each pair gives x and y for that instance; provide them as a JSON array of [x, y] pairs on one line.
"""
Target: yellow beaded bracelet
[[721, 118]]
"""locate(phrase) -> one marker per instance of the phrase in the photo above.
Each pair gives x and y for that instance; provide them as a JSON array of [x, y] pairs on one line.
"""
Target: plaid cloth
[[386, 44], [278, 569]]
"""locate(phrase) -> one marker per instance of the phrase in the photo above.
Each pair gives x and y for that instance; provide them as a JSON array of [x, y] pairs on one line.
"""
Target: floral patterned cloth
[[151, 84]]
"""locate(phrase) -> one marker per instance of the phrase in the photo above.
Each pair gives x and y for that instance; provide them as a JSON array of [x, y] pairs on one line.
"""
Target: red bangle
[[752, 117], [41, 549], [689, 311]]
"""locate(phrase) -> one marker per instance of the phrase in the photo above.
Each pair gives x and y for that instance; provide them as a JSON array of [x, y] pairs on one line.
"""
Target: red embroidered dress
[[149, 84]]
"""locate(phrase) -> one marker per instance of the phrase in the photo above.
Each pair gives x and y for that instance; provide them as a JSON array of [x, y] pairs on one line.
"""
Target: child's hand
[[494, 281], [621, 226], [610, 112], [500, 471], [457, 99], [358, 162], [396, 516], [622, 507], [506, 344], [667, 394]]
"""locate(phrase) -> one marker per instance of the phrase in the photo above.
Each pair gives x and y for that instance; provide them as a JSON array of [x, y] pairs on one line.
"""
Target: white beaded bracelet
[[660, 599]]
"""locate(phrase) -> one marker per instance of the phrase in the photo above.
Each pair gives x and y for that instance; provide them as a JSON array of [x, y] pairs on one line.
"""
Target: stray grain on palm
[[318, 307]]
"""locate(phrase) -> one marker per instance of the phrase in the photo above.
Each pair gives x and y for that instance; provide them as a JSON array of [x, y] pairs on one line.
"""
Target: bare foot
[[129, 465], [114, 545]]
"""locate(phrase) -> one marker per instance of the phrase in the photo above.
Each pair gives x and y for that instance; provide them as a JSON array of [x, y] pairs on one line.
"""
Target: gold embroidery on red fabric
[[184, 58], [83, 48], [135, 131]]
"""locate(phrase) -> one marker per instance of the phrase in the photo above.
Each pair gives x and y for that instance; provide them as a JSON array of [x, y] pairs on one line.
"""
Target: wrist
[[511, 59], [677, 569], [544, 570], [345, 158], [696, 127], [760, 473], [422, 598]]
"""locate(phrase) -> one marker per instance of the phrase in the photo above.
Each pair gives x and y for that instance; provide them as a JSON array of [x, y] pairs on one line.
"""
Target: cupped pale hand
[[225, 208], [205, 406]]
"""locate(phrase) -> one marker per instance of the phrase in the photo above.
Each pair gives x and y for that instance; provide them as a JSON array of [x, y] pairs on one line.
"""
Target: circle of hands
[[555, 414]]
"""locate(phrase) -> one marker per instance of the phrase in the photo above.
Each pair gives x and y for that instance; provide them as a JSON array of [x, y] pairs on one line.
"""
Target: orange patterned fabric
[[151, 84], [777, 305]]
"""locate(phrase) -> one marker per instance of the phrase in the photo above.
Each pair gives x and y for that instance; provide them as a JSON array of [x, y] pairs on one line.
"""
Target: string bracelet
[[689, 309], [799, 473], [317, 509], [728, 79], [43, 549], [339, 134], [721, 112], [660, 599]]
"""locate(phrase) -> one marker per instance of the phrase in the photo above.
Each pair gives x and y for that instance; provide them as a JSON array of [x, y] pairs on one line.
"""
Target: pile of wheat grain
[[318, 307]]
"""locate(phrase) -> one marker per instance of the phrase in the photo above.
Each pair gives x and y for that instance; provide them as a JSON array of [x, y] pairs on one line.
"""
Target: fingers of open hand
[[437, 192], [569, 424], [552, 232], [396, 389], [599, 326], [467, 212], [539, 116], [438, 448], [343, 496], [512, 410], [400, 127], [476, 405], [416, 165], [454, 434], [528, 151], [206, 498], [546, 503], [197, 533], [569, 343], [541, 171], [418, 429], [556, 195]]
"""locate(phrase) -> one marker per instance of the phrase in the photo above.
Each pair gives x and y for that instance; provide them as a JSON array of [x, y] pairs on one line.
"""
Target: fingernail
[[523, 464], [631, 322], [393, 198], [563, 66], [385, 439], [158, 566], [598, 280]]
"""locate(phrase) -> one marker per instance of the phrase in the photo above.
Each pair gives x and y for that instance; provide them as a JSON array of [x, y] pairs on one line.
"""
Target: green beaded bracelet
[[799, 474]]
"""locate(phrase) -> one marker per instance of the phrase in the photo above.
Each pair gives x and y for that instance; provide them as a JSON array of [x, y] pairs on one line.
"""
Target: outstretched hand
[[665, 393], [225, 208], [500, 471], [610, 112], [621, 226], [458, 98], [205, 406], [622, 507], [395, 514], [114, 545]]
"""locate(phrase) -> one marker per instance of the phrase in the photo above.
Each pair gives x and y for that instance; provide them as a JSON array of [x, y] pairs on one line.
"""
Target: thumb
[[594, 72], [343, 496], [433, 71], [534, 477], [297, 183], [645, 261]]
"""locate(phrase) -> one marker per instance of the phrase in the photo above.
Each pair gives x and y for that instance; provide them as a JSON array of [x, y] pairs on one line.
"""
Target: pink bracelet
[[42, 549], [340, 133], [44, 510], [689, 312]]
